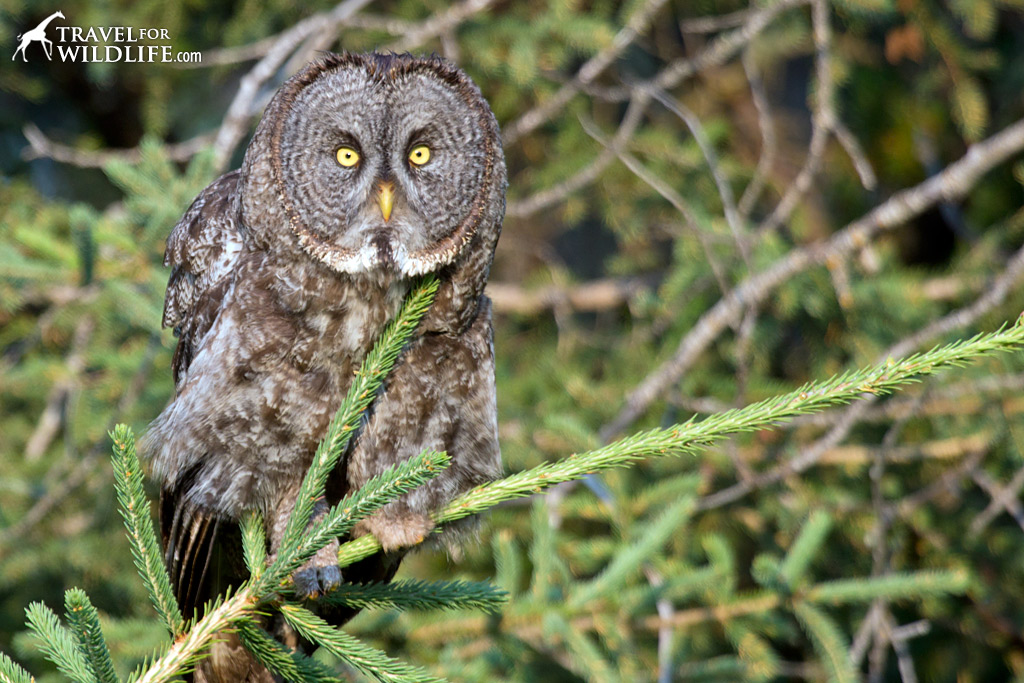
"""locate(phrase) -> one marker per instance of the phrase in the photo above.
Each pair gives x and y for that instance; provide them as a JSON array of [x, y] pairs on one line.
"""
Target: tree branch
[[951, 183]]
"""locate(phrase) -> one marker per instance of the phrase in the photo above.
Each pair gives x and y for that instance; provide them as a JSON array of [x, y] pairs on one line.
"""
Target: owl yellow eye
[[347, 157], [419, 155]]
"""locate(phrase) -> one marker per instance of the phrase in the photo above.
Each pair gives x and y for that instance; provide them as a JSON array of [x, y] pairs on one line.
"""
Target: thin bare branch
[[769, 144], [591, 69], [87, 465], [243, 106], [673, 198], [721, 50], [438, 24], [1004, 498], [853, 414], [732, 217], [714, 24], [53, 414], [597, 295], [544, 199], [823, 119], [42, 147], [954, 181], [856, 153]]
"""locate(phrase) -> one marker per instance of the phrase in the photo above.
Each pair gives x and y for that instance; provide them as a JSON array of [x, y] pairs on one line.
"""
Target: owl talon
[[312, 582], [320, 575]]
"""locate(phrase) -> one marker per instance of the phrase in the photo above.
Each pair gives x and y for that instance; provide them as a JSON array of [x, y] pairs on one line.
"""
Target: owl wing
[[202, 251]]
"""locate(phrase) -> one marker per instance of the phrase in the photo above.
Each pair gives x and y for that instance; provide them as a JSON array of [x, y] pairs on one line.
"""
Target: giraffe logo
[[38, 34]]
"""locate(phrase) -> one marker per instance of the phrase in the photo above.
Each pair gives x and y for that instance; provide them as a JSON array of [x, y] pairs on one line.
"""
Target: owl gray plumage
[[285, 272]]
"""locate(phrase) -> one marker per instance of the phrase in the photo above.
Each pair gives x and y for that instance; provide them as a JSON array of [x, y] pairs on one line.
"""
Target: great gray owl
[[364, 172]]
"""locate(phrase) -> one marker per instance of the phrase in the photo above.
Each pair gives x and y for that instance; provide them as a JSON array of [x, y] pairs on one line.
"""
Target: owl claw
[[320, 575], [312, 582]]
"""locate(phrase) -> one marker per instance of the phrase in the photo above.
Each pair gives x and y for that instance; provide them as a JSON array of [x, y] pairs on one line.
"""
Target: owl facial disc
[[384, 163]]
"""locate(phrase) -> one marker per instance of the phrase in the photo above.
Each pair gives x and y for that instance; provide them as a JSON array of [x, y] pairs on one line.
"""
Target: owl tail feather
[[190, 538]]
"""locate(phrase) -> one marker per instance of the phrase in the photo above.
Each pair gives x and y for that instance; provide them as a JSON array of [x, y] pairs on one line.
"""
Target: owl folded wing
[[202, 251]]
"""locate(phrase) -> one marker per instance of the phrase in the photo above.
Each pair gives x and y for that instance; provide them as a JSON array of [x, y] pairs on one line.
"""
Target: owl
[[365, 172]]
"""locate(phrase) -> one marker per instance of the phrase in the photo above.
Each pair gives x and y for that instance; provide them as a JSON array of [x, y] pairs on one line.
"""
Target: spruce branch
[[134, 508], [761, 661], [223, 614], [84, 621], [591, 663], [292, 666], [254, 543], [675, 588], [900, 586], [804, 548], [415, 594], [543, 551], [11, 672], [57, 643], [828, 641], [625, 563], [508, 562], [693, 436], [379, 491], [357, 654], [371, 375]]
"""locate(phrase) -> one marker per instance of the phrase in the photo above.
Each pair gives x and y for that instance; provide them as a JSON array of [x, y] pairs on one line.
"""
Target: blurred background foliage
[[626, 224]]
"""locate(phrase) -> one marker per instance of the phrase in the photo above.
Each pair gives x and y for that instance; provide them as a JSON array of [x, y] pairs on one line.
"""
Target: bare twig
[[732, 216], [546, 198], [1003, 498], [714, 24], [852, 415], [668, 193], [867, 630], [87, 464], [51, 417], [856, 153], [597, 295], [721, 50], [590, 70], [666, 611], [769, 144], [898, 636], [823, 119], [413, 33], [947, 483], [242, 107], [954, 181], [438, 24], [232, 55], [257, 49], [42, 147]]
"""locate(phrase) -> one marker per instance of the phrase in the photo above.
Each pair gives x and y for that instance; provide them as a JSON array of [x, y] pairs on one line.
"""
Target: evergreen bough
[[81, 652]]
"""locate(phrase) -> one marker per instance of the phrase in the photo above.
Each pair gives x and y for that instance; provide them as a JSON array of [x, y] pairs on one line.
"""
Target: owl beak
[[386, 198]]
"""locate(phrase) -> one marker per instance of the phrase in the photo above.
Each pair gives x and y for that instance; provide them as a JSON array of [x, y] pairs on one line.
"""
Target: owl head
[[379, 165]]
